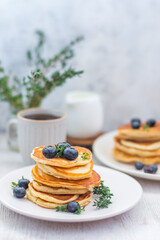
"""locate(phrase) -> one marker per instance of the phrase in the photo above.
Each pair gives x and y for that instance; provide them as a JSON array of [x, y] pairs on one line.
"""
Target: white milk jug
[[84, 114]]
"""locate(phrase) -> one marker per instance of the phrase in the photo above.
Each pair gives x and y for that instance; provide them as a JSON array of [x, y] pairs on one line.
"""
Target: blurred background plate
[[102, 149]]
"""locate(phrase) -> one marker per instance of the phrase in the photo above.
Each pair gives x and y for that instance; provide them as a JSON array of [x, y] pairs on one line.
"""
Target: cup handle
[[12, 132]]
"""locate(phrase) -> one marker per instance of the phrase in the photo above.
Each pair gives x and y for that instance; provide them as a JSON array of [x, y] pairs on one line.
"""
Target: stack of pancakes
[[58, 181], [138, 145]]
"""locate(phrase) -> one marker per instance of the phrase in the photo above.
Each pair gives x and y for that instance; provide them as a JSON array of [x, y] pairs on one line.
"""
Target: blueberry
[[135, 120], [73, 206], [65, 144], [19, 192], [70, 153], [135, 124], [139, 165], [49, 152], [23, 183], [154, 167], [151, 122], [148, 169]]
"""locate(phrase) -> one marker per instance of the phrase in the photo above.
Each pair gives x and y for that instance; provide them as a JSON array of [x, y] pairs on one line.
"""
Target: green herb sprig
[[45, 75], [13, 185], [64, 209], [59, 151], [104, 196], [85, 156], [61, 209], [146, 127]]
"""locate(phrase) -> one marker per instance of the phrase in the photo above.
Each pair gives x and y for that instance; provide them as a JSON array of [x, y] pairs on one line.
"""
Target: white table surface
[[142, 222]]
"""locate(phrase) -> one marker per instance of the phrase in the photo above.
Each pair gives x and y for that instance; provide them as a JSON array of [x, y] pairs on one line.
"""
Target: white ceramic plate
[[103, 147], [119, 184]]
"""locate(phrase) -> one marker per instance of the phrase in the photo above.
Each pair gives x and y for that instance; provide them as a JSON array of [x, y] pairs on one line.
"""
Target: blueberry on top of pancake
[[63, 144], [135, 123], [135, 120], [49, 151], [70, 153], [151, 122]]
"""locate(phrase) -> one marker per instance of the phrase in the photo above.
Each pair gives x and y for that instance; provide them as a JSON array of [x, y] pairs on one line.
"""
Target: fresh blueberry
[[65, 144], [154, 167], [148, 169], [151, 122], [135, 124], [23, 183], [73, 206], [70, 153], [19, 192], [49, 152], [135, 120], [139, 165]]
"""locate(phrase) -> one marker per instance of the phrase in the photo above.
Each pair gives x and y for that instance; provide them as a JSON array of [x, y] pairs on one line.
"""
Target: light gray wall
[[120, 53]]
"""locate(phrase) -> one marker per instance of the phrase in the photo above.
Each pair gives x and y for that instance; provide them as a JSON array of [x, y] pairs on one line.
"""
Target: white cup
[[84, 114], [33, 133]]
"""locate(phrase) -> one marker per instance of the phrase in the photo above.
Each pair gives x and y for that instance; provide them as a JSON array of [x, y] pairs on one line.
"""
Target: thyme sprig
[[146, 127], [46, 75], [61, 209], [13, 185], [59, 151], [64, 209], [85, 156], [104, 196]]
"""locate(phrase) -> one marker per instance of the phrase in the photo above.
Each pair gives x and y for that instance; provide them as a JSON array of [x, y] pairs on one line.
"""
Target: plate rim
[[88, 219], [122, 169]]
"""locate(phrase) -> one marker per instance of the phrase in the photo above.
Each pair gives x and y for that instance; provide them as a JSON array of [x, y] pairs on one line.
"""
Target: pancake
[[60, 199], [74, 173], [38, 156], [43, 188], [147, 146], [134, 151], [83, 199], [52, 181], [126, 158], [141, 134]]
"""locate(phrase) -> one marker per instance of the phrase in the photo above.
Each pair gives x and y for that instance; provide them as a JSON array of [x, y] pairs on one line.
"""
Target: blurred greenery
[[47, 75]]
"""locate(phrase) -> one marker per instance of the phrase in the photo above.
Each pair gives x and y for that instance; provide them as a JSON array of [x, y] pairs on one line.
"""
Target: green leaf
[[29, 55], [13, 185], [85, 156], [146, 127], [79, 210]]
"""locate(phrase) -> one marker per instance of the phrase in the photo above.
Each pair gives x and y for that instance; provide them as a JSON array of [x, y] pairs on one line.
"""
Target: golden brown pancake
[[134, 151], [141, 134], [52, 181], [38, 156], [74, 173], [43, 188], [126, 158], [83, 199], [146, 146], [60, 199]]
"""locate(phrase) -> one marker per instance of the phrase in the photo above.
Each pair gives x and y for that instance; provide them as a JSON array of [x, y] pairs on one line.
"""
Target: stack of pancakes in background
[[58, 181], [138, 145]]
